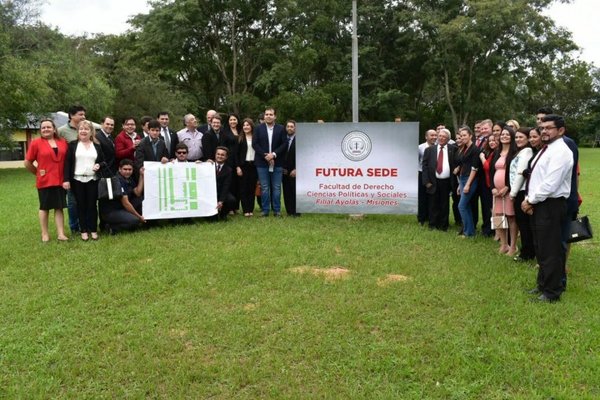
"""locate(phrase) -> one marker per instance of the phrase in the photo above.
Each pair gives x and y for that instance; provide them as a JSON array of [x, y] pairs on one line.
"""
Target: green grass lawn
[[234, 310]]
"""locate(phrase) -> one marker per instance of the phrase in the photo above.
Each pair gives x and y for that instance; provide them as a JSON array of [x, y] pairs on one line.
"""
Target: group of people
[[69, 160], [524, 178]]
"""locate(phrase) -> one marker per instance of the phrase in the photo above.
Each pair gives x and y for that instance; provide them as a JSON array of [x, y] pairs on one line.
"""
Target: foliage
[[454, 62], [43, 71], [218, 310]]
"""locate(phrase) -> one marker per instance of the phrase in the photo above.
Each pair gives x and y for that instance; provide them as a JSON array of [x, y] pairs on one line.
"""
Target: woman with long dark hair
[[468, 165], [500, 184], [518, 183], [245, 169], [49, 152]]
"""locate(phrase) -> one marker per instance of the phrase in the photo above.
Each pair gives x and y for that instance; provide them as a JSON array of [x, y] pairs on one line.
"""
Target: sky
[[76, 17]]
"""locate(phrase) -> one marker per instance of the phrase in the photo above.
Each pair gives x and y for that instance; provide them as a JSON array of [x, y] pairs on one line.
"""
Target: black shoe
[[277, 215], [544, 299], [533, 291]]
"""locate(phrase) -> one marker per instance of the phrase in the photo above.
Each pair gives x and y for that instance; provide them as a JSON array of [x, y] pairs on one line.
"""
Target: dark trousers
[[72, 210], [550, 250], [422, 202], [248, 186], [86, 196], [439, 205], [455, 210], [485, 195], [289, 193], [122, 220], [229, 204], [523, 222]]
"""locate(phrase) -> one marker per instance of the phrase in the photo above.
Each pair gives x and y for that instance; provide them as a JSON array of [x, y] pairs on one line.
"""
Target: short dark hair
[[128, 118], [558, 120], [217, 116], [292, 121], [75, 109], [145, 119], [153, 124], [107, 117], [223, 148], [162, 113], [181, 146], [545, 110], [267, 108], [124, 162]]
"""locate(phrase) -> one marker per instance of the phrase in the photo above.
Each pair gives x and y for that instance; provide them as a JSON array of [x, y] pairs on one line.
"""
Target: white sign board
[[179, 190], [367, 168]]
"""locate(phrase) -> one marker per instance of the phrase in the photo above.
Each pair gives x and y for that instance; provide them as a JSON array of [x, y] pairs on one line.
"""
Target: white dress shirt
[[551, 173]]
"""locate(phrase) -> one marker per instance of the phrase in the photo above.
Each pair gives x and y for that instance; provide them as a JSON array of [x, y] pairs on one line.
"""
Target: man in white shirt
[[192, 137], [548, 188]]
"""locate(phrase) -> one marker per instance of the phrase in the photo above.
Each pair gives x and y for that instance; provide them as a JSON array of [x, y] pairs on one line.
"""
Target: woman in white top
[[245, 169], [518, 185], [84, 160]]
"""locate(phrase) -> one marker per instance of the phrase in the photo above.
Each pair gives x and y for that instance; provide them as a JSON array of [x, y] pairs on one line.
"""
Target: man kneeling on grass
[[125, 213]]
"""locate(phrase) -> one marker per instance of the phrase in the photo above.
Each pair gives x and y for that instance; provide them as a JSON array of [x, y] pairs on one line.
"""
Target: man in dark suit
[[216, 137], [107, 144], [151, 148], [289, 170], [169, 136], [270, 144], [224, 174], [438, 163], [209, 116]]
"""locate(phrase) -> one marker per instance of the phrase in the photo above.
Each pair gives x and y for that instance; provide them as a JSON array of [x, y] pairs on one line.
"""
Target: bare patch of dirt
[[330, 274], [391, 278], [249, 307], [177, 333]]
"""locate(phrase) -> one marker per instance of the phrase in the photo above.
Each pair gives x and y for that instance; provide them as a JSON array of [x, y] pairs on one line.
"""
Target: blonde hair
[[514, 123], [90, 125]]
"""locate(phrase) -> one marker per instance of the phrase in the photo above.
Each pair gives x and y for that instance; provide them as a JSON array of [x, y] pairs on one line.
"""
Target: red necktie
[[440, 161]]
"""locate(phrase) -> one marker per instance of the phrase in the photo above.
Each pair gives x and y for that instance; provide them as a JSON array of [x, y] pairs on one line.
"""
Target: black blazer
[[223, 182], [108, 148], [289, 163], [430, 165], [144, 152], [70, 160], [210, 142], [173, 143], [260, 142], [240, 152]]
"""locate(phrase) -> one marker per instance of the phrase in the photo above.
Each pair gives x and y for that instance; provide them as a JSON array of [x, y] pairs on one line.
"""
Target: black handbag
[[109, 188], [580, 230]]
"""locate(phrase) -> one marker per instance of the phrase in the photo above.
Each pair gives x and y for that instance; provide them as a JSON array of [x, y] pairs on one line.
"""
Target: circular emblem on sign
[[356, 146]]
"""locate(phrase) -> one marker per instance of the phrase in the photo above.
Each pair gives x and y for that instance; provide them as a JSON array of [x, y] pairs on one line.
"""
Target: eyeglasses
[[182, 152]]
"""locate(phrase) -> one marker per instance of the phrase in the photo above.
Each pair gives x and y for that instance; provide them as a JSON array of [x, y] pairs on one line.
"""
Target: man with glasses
[[181, 152], [548, 187], [573, 199]]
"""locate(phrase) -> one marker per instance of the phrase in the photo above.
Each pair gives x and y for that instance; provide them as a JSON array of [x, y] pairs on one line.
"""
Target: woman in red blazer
[[49, 152]]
